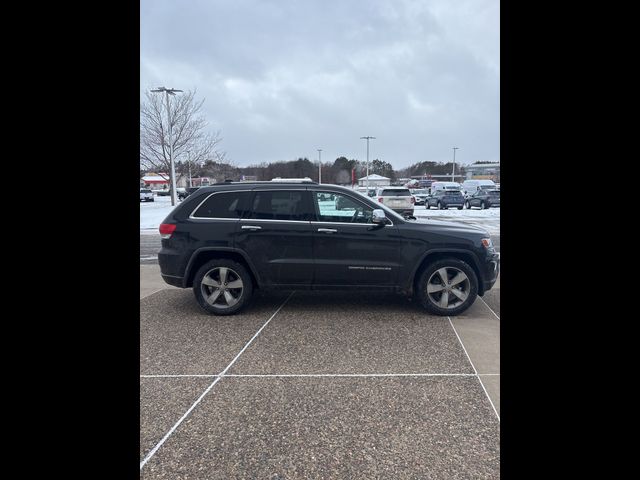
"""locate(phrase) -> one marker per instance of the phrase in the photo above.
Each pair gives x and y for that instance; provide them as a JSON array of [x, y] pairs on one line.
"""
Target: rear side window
[[396, 193], [223, 205], [280, 205]]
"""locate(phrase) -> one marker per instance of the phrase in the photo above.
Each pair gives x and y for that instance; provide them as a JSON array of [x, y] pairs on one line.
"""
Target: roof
[[374, 176], [474, 166], [154, 178]]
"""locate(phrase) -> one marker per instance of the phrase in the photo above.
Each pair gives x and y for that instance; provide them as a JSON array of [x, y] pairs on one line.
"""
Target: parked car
[[484, 199], [181, 193], [146, 195], [162, 193], [420, 195], [443, 199], [398, 199], [227, 241], [469, 187]]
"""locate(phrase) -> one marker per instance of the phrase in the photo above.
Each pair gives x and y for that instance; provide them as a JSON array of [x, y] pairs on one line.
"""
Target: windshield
[[145, 191], [453, 192], [421, 192], [487, 187], [494, 193]]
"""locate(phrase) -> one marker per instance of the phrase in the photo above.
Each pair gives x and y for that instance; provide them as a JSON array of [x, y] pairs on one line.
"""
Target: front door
[[348, 249]]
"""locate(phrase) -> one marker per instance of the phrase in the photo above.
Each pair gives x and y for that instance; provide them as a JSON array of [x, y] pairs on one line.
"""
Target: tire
[[431, 276], [440, 206], [467, 205], [234, 272], [460, 208], [482, 206]]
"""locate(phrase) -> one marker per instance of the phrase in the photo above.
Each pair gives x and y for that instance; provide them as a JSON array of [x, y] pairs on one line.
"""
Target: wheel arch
[[439, 254], [205, 254]]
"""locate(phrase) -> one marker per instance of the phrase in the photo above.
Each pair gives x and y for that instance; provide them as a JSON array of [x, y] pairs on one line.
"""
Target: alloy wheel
[[222, 287], [448, 287]]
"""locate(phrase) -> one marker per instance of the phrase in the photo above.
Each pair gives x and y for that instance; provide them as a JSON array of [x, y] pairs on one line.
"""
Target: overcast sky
[[282, 78]]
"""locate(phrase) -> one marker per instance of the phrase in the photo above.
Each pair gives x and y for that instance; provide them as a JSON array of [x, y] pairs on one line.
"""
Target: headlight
[[487, 243]]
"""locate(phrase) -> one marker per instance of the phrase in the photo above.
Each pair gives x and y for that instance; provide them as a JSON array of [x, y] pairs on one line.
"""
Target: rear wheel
[[222, 287], [482, 206], [467, 205], [460, 207], [440, 206], [447, 287]]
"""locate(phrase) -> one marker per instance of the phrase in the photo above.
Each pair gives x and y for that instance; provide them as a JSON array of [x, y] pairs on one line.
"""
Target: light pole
[[189, 162], [453, 173], [319, 165], [367, 138], [170, 91]]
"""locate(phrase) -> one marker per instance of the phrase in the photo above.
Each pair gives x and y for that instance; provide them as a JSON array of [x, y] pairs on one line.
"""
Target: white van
[[435, 186], [469, 187]]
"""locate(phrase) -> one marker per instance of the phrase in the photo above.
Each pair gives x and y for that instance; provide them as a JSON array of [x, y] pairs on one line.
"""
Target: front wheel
[[467, 205], [440, 207], [460, 207], [222, 287], [482, 206], [447, 287]]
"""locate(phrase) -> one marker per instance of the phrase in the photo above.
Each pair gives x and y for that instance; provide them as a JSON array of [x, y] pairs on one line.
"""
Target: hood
[[449, 227]]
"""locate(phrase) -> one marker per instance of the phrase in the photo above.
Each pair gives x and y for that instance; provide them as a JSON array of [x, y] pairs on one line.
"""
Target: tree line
[[196, 151]]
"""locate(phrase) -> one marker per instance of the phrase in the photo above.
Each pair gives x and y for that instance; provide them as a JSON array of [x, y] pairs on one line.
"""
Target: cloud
[[282, 78]]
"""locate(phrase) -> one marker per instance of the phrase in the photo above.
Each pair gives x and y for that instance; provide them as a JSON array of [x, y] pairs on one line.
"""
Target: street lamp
[[453, 173], [170, 91], [319, 165], [367, 138]]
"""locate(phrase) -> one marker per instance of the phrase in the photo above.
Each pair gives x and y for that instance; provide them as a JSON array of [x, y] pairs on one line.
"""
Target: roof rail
[[262, 182]]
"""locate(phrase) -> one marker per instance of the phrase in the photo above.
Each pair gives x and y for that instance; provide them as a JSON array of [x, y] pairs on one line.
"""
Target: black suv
[[228, 240]]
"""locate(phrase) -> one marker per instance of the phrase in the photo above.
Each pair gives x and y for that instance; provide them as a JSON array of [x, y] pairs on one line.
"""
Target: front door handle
[[251, 227], [327, 230]]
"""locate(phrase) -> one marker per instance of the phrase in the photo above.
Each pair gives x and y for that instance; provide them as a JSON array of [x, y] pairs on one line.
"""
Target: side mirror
[[379, 217]]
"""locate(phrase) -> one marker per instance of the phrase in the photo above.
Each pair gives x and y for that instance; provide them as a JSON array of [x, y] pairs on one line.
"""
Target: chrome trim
[[251, 227], [327, 230], [271, 220]]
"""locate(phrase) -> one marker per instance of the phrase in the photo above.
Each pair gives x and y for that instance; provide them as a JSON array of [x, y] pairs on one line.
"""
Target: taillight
[[380, 199], [167, 229], [413, 199]]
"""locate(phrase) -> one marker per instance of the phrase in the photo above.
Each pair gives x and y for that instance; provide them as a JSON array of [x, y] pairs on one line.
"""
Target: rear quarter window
[[223, 205]]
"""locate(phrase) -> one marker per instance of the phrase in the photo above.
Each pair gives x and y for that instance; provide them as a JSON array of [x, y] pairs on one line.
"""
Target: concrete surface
[[310, 428], [151, 281]]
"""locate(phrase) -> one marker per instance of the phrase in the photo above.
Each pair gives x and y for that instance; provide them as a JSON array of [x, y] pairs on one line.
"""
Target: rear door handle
[[251, 227], [327, 230]]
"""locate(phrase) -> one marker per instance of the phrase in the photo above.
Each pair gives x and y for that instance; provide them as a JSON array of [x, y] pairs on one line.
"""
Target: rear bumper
[[175, 281], [403, 211]]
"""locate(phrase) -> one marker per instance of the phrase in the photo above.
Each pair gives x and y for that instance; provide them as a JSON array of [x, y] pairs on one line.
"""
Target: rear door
[[276, 234], [348, 249]]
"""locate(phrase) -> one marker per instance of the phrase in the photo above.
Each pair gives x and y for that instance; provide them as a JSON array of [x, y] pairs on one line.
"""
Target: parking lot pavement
[[428, 427], [178, 338], [330, 385], [162, 402], [151, 281], [354, 332]]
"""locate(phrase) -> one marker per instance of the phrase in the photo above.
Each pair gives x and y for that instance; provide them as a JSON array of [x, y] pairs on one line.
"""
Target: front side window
[[223, 205], [342, 209], [280, 205]]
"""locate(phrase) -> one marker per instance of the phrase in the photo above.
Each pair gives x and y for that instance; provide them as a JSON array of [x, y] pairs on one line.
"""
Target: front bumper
[[491, 271]]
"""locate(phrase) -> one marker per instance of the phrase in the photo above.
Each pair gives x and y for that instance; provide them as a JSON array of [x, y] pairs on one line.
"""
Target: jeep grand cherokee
[[227, 240]]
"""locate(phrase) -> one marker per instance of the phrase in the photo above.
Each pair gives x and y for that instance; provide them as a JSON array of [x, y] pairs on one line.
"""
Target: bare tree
[[190, 138]]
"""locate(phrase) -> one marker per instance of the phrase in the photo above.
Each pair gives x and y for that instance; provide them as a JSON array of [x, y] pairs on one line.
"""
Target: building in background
[[155, 181], [483, 171], [374, 181]]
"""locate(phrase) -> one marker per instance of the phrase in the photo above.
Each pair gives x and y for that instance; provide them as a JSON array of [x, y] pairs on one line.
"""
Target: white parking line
[[271, 375], [474, 369], [186, 414], [489, 308]]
